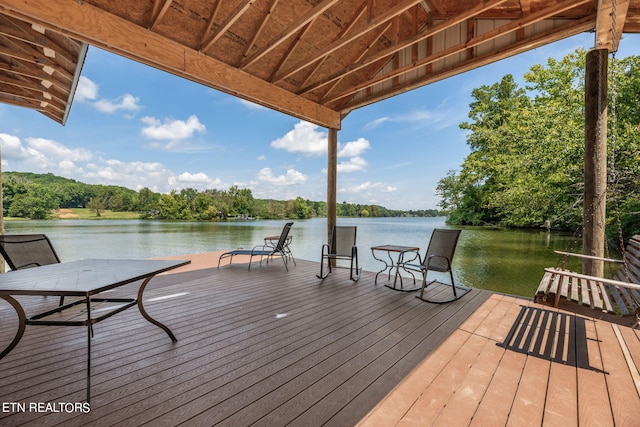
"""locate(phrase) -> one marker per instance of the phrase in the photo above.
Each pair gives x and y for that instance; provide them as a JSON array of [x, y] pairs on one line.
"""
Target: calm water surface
[[509, 261]]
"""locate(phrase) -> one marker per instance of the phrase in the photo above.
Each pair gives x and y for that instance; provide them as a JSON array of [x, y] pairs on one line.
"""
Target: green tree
[[301, 208], [36, 203]]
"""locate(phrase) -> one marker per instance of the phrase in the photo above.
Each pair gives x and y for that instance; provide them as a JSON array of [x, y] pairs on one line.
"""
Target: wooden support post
[[595, 161], [332, 171]]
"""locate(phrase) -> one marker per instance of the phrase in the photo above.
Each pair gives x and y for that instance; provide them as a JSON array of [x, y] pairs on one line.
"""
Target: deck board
[[269, 347], [265, 346], [558, 368]]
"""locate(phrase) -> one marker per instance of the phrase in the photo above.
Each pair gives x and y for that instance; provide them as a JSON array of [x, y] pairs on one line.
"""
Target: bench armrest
[[599, 279], [619, 261]]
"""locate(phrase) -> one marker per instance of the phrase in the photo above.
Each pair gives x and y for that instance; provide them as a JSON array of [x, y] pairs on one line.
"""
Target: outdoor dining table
[[82, 278], [391, 264]]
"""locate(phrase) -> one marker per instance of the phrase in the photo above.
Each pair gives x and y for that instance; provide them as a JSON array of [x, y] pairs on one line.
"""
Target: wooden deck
[[272, 348]]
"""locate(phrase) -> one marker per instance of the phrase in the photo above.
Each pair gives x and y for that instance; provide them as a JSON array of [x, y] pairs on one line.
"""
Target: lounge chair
[[266, 250], [272, 242], [22, 251], [438, 258], [342, 247]]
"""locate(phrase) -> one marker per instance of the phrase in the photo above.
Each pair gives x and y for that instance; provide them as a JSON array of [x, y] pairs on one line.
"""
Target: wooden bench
[[614, 299]]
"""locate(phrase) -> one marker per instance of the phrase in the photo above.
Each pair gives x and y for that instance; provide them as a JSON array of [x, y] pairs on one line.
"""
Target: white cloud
[[252, 105], [126, 102], [369, 187], [375, 123], [56, 151], [292, 177], [353, 148], [86, 90], [199, 181], [305, 138], [442, 116], [170, 129], [354, 164], [41, 155]]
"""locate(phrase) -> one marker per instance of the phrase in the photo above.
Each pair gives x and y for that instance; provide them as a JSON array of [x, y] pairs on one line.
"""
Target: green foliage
[[526, 163], [29, 195]]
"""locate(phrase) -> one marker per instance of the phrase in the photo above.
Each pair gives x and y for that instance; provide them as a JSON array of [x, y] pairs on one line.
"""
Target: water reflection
[[509, 261]]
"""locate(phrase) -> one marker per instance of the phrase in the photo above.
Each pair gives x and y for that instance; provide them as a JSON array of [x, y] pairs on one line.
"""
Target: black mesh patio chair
[[438, 258], [22, 251], [266, 250], [342, 247]]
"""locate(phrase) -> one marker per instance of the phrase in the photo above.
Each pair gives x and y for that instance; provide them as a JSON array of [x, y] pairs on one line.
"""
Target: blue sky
[[134, 126]]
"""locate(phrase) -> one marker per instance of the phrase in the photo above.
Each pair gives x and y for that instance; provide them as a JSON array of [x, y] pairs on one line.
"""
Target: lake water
[[508, 261]]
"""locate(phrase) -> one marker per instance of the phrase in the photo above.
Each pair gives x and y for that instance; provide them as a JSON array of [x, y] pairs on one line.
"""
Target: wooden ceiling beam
[[263, 24], [358, 13], [93, 25], [562, 32], [231, 19], [387, 53], [158, 12], [31, 71], [18, 101], [610, 20], [294, 43], [288, 32], [30, 95], [483, 38], [25, 33], [318, 63], [374, 23], [362, 54], [28, 53], [49, 93]]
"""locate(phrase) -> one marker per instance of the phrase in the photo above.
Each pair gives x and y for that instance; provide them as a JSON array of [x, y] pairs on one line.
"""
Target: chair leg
[[322, 275], [354, 256], [455, 289]]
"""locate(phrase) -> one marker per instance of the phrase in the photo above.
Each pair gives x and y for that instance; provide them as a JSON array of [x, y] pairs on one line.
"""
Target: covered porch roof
[[316, 60]]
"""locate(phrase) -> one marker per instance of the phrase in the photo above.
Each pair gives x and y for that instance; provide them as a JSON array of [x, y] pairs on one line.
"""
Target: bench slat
[[596, 299], [618, 299], [620, 295]]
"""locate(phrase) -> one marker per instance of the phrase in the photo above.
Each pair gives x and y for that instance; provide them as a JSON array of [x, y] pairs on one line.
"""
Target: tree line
[[35, 196], [526, 165]]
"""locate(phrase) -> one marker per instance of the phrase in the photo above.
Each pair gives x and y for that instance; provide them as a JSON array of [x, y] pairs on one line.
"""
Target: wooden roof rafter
[[388, 53], [34, 36], [288, 32], [263, 23], [160, 8], [208, 41], [38, 68], [350, 25], [290, 49], [313, 59], [567, 30], [333, 47], [483, 38], [336, 82]]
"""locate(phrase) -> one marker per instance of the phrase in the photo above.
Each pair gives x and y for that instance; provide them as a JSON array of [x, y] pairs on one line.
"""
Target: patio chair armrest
[[261, 248]]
